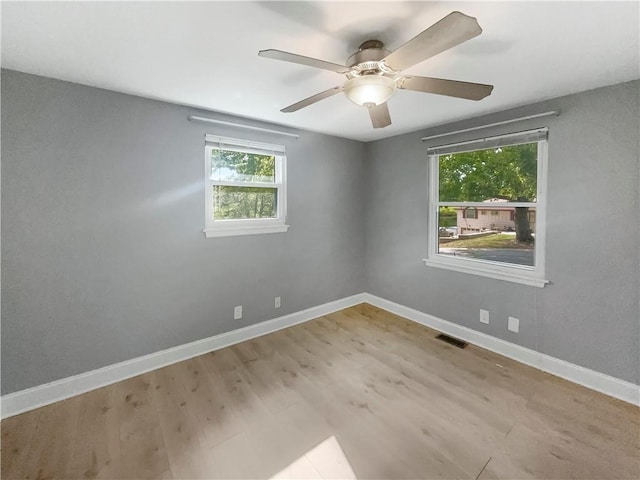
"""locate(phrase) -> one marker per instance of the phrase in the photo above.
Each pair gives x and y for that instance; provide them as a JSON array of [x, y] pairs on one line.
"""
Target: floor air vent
[[452, 341]]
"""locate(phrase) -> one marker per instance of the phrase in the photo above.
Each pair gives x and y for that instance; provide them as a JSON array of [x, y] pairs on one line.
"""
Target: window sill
[[236, 231], [482, 272]]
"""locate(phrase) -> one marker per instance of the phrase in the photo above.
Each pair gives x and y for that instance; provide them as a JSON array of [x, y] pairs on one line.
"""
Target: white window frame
[[533, 276], [251, 226]]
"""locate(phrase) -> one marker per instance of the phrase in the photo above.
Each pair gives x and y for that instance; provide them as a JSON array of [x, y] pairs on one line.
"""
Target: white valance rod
[[528, 137], [197, 118], [504, 122]]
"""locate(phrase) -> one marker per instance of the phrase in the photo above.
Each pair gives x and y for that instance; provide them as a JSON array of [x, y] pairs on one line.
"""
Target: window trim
[[501, 271], [251, 226]]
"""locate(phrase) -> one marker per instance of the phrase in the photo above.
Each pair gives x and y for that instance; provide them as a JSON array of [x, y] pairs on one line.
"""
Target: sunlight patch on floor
[[326, 460]]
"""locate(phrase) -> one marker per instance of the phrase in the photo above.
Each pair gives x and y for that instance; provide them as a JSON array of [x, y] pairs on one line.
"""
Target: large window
[[505, 175], [245, 187]]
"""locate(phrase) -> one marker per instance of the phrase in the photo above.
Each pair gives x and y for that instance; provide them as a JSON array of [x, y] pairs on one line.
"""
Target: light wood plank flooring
[[357, 394]]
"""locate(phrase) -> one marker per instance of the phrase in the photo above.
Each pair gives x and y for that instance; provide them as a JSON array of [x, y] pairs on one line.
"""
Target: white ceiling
[[204, 54]]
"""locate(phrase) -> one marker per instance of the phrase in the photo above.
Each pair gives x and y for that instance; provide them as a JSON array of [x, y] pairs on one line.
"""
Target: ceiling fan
[[373, 72]]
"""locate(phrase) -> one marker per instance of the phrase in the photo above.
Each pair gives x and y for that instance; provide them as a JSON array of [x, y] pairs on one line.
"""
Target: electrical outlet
[[277, 302], [484, 316], [237, 312], [513, 324]]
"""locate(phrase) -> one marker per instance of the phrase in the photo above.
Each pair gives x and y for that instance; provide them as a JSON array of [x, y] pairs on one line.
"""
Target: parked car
[[443, 232]]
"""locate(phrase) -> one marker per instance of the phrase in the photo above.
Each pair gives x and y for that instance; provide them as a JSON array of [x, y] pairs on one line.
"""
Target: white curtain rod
[[240, 125], [529, 117], [522, 135]]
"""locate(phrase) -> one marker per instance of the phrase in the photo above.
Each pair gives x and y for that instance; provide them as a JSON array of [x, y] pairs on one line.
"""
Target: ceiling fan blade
[[452, 30], [379, 114], [450, 88], [302, 60], [312, 99]]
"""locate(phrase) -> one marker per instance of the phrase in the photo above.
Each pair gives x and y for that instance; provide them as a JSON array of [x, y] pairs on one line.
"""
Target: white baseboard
[[41, 395], [31, 398], [623, 390]]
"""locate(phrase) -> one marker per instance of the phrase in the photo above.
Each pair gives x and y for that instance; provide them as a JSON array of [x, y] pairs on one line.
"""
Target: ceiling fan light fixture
[[368, 89]]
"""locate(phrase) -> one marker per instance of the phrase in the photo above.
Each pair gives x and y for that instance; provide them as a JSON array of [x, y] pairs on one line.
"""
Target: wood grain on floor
[[360, 393]]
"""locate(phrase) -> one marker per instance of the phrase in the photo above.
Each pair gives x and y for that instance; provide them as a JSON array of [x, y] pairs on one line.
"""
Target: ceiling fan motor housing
[[366, 60]]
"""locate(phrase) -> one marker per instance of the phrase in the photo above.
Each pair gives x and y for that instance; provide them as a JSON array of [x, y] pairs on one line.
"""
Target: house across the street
[[495, 216]]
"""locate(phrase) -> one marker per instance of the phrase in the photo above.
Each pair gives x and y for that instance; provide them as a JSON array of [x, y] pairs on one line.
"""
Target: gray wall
[[589, 314], [103, 255]]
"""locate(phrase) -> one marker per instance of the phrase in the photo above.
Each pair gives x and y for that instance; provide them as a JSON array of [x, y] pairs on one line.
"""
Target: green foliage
[[244, 202], [508, 173], [447, 217], [239, 202], [230, 165]]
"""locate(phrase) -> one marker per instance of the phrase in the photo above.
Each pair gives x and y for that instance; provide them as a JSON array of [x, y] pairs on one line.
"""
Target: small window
[[470, 213], [245, 187], [508, 172]]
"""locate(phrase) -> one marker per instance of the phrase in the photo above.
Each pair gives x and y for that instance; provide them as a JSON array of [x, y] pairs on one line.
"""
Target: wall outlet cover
[[277, 302], [484, 316], [237, 312], [513, 324]]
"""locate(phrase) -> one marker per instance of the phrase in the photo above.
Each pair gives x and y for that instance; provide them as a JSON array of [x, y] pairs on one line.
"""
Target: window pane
[[505, 173], [227, 165], [244, 202], [508, 237], [470, 212]]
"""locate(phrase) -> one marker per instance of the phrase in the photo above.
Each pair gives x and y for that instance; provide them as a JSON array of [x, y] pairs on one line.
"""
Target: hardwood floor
[[360, 393]]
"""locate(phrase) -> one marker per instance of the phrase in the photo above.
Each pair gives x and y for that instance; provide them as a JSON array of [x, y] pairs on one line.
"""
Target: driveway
[[519, 256]]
